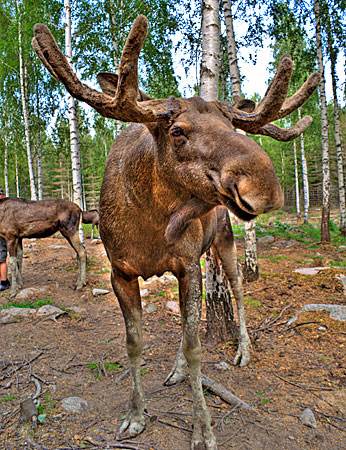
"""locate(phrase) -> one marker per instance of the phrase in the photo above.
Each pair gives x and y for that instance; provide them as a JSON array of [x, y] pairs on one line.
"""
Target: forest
[[42, 156]]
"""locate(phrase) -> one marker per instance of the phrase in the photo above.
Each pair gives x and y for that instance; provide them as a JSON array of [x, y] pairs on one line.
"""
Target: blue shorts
[[3, 250]]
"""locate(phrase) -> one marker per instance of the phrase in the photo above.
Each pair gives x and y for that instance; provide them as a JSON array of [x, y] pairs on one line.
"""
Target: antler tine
[[285, 134], [56, 63], [272, 102], [123, 106], [300, 97]]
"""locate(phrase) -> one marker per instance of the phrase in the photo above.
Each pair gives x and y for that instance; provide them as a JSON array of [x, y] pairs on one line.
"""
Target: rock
[[222, 366], [76, 310], [28, 292], [307, 418], [265, 239], [11, 314], [310, 270], [74, 404], [28, 411], [321, 328], [144, 292], [49, 310], [173, 306], [337, 312], [151, 308], [97, 292], [58, 246]]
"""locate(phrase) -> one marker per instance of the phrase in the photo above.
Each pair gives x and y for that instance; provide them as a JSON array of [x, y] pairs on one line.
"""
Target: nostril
[[246, 205]]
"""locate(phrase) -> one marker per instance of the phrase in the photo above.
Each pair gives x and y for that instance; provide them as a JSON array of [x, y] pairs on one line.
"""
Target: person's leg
[[3, 271]]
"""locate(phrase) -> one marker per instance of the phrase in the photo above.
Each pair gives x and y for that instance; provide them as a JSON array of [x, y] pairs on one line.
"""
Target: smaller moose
[[91, 216], [24, 219]]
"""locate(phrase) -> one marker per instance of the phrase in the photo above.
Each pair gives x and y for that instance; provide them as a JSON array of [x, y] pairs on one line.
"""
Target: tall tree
[[74, 142], [325, 231]]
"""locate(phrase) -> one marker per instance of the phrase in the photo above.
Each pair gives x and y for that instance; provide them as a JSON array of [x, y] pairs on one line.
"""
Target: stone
[[222, 366], [151, 308], [337, 312], [144, 292], [310, 270], [173, 306], [49, 310], [307, 418], [74, 404], [30, 291], [58, 246], [12, 314], [265, 239], [321, 328], [97, 292]]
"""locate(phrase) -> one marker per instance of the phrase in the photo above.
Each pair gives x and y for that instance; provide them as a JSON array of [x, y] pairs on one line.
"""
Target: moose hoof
[[204, 445], [174, 377], [80, 286], [131, 427], [242, 357], [12, 294]]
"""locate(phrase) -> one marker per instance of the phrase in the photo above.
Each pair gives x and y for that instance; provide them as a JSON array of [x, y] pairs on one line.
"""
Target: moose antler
[[274, 106], [123, 105]]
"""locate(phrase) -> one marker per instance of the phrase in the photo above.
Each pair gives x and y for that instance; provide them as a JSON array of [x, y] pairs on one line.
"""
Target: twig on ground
[[38, 388], [263, 288], [307, 388], [22, 365], [226, 395], [110, 444], [271, 323], [300, 325]]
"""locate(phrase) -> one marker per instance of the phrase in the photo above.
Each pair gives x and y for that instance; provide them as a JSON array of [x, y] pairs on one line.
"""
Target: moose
[[91, 216], [25, 219], [168, 182]]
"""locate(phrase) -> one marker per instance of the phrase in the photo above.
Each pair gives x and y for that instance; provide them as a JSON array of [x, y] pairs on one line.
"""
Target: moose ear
[[108, 82], [243, 104]]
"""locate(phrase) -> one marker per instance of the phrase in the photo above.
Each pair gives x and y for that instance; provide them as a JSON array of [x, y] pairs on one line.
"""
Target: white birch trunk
[[305, 176], [75, 155], [325, 233], [25, 109], [7, 189], [232, 49], [38, 156], [296, 178], [210, 65], [74, 142], [17, 178]]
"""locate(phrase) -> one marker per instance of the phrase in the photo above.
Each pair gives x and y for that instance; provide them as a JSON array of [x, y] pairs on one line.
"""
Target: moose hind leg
[[78, 247], [190, 286], [20, 263], [227, 252], [130, 303]]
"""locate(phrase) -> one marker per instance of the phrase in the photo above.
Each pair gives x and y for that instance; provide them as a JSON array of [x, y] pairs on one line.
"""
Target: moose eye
[[177, 131]]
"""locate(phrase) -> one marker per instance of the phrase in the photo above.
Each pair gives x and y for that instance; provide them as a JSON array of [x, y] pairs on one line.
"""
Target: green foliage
[[26, 304]]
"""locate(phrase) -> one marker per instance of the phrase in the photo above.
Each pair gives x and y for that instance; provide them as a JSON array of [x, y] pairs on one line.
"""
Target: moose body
[[91, 216], [166, 187], [24, 219]]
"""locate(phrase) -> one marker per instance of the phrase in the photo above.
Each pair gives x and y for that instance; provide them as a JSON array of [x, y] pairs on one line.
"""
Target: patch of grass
[[144, 371], [252, 302], [27, 304], [98, 369], [8, 398]]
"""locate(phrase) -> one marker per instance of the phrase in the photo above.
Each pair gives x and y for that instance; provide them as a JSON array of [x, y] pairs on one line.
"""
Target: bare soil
[[83, 354]]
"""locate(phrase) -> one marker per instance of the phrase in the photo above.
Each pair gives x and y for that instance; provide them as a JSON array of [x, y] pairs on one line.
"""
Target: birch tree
[[304, 175], [74, 142], [220, 321], [325, 232], [296, 179], [23, 91]]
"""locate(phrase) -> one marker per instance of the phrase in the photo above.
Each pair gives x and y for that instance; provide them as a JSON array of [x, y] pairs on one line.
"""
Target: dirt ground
[[83, 354]]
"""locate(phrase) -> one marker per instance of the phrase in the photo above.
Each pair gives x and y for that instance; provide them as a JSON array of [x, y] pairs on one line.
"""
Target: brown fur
[[24, 219]]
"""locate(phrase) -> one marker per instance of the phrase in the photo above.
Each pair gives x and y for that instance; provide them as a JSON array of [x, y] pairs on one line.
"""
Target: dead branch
[[110, 444], [226, 395], [307, 388]]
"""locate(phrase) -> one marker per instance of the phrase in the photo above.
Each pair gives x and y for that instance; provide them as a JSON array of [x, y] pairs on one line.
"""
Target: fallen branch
[[110, 444], [311, 389], [226, 395]]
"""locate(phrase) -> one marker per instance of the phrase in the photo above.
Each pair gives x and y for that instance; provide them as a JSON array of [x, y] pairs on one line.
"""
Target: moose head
[[166, 184]]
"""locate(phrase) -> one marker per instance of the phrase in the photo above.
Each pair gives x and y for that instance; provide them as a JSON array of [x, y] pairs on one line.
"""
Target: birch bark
[[75, 153], [325, 232], [296, 179], [304, 175], [24, 106]]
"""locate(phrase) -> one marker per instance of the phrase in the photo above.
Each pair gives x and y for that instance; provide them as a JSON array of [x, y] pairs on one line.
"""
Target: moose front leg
[[81, 258], [130, 303], [227, 252], [12, 246], [20, 263], [190, 291]]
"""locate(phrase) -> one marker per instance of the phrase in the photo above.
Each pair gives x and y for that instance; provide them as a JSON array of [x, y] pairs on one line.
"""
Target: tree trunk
[[232, 49], [325, 233], [304, 175], [209, 78], [251, 265], [7, 189], [75, 156], [17, 178], [296, 178], [218, 299], [38, 155], [24, 106], [333, 53]]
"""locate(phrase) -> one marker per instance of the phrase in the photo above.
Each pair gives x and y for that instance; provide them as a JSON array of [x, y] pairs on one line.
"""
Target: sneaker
[[4, 285]]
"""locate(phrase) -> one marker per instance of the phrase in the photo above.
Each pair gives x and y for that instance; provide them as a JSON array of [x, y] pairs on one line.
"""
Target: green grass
[[8, 398], [95, 368], [27, 304], [252, 302]]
